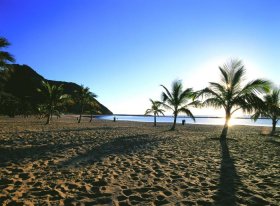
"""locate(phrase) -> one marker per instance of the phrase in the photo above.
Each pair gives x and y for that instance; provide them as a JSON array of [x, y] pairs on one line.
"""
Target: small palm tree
[[94, 108], [155, 109], [270, 107], [5, 57], [82, 97], [177, 100], [54, 97], [229, 93]]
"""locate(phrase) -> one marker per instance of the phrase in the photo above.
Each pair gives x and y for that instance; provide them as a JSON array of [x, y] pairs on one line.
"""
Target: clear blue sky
[[124, 49]]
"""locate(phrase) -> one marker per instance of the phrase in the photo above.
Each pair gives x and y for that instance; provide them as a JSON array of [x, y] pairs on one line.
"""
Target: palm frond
[[195, 103], [4, 42], [148, 111], [257, 86], [186, 95], [166, 106], [152, 101], [209, 93], [224, 75], [187, 112], [166, 95], [6, 57], [248, 103], [176, 90], [217, 88], [256, 115], [161, 111], [238, 76], [214, 102]]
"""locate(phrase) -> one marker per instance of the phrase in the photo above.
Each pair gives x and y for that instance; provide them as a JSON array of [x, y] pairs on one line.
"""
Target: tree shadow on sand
[[118, 146], [40, 147], [276, 143], [17, 154], [229, 179], [47, 130]]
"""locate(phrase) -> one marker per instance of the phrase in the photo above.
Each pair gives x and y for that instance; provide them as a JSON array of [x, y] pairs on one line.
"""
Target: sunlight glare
[[252, 70], [205, 72], [230, 122], [228, 86]]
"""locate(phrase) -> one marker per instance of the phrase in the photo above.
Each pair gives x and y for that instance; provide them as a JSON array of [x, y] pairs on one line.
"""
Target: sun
[[230, 122]]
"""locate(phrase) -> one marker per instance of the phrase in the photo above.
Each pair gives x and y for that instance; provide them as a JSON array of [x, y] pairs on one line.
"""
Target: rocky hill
[[21, 82]]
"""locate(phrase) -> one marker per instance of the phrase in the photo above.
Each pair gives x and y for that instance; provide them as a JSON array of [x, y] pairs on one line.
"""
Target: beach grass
[[132, 163]]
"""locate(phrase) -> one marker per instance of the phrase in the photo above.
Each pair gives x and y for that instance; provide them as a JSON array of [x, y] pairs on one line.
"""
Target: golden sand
[[127, 163]]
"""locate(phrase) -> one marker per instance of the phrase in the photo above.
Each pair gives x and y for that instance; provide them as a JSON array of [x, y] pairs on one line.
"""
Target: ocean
[[199, 120]]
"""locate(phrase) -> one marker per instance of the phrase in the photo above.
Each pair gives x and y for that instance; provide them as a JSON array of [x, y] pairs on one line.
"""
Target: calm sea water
[[199, 120]]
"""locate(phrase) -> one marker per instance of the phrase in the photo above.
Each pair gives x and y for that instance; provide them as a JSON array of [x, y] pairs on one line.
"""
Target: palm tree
[[5, 57], [229, 93], [83, 96], [155, 109], [177, 100], [270, 107], [53, 96], [94, 108]]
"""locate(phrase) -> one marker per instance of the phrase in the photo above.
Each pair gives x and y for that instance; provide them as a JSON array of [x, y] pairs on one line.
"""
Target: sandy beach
[[130, 163]]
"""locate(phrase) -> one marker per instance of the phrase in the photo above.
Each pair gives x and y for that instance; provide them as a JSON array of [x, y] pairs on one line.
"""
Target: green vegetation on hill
[[19, 95]]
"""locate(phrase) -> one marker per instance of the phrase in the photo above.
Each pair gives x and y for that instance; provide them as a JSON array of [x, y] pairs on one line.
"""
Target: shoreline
[[179, 123], [180, 116], [72, 118]]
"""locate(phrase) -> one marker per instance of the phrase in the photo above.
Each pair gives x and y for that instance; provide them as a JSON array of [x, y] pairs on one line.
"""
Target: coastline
[[200, 120]]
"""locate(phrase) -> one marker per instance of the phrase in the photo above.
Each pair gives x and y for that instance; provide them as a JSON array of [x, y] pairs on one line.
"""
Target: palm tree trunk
[[51, 114], [174, 123], [224, 132], [80, 117], [274, 122], [155, 120], [48, 117], [91, 116], [81, 111], [225, 129]]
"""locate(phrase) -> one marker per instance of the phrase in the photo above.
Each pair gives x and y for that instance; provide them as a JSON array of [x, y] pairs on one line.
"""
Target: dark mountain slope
[[22, 82]]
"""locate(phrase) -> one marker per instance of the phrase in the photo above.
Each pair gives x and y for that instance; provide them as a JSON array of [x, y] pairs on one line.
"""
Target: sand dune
[[127, 163]]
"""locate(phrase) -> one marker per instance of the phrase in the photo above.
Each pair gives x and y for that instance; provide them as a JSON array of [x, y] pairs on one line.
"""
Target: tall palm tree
[[270, 107], [53, 96], [5, 57], [178, 99], [83, 96], [155, 109], [230, 94]]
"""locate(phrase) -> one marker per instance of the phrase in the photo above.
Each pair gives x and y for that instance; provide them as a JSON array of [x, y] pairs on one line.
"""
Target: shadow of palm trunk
[[229, 180], [123, 145]]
